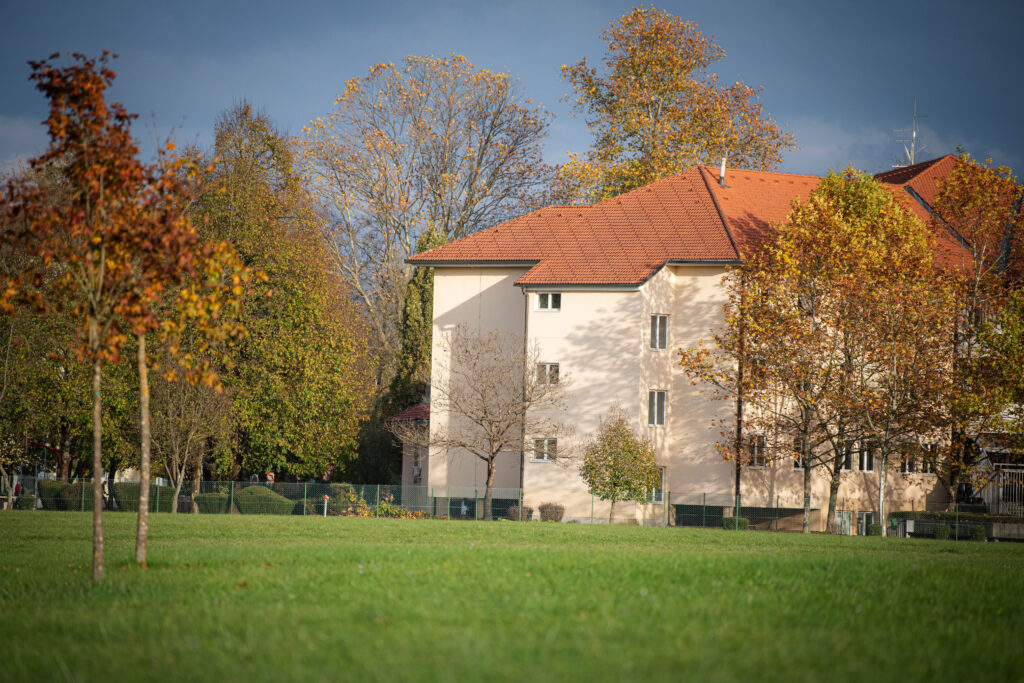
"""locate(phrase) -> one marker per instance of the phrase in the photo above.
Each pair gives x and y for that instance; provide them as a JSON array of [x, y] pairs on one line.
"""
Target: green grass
[[237, 598]]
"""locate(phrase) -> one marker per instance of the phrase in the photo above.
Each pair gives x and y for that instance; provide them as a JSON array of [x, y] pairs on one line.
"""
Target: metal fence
[[456, 503]]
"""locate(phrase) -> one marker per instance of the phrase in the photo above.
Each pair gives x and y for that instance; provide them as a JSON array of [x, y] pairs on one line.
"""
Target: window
[[545, 450], [756, 454], [547, 373], [848, 448], [931, 456], [798, 457], [658, 493], [866, 461], [659, 332], [549, 301], [908, 463], [656, 408]]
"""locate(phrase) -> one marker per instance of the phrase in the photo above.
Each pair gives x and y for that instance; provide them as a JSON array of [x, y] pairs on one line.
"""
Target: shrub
[[735, 523], [514, 513], [126, 493], [941, 532], [49, 493], [978, 534], [259, 500], [77, 496], [26, 502], [875, 530], [213, 503], [551, 512]]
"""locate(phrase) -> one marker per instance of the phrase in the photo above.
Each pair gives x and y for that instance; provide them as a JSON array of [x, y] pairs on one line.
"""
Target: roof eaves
[[931, 212], [440, 263]]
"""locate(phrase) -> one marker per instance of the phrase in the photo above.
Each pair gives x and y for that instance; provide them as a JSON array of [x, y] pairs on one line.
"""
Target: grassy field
[[232, 598]]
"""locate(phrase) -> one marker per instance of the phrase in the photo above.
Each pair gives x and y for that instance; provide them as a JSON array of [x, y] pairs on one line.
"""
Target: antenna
[[909, 153]]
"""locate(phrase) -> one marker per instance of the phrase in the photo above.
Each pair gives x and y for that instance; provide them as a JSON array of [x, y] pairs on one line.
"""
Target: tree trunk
[[197, 477], [611, 512], [833, 490], [881, 490], [142, 533], [807, 493], [65, 457], [488, 494], [177, 493], [97, 460]]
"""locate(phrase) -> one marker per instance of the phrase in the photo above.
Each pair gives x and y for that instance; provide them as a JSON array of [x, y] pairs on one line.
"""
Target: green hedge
[[126, 493], [49, 493], [978, 533], [26, 502], [77, 496], [951, 516], [875, 530], [213, 503], [513, 513], [941, 532], [735, 523], [259, 500]]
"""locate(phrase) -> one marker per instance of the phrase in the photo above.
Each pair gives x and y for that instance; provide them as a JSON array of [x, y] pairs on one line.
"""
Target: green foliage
[[77, 496], [875, 530], [551, 512], [952, 516], [213, 503], [618, 465], [941, 532], [517, 514], [50, 493], [161, 498], [735, 523], [978, 534], [26, 502], [259, 500]]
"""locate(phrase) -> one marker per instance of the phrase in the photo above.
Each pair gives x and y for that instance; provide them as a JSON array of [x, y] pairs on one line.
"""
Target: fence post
[[704, 512], [305, 487], [476, 498], [520, 505], [157, 508], [376, 509], [231, 498]]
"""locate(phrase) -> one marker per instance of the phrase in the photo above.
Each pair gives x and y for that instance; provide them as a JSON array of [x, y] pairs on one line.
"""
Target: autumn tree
[[88, 237], [301, 377], [618, 465], [982, 205], [655, 109], [491, 405], [428, 143]]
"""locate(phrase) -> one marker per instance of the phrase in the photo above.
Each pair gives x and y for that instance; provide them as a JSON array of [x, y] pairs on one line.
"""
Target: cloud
[[21, 138]]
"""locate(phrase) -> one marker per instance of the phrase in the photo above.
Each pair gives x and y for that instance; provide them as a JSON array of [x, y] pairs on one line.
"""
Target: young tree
[[494, 403], [655, 110], [619, 465], [429, 143], [88, 237]]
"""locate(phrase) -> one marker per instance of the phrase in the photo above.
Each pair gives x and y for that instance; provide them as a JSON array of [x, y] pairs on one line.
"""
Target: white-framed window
[[866, 459], [658, 493], [656, 401], [908, 463], [757, 452], [545, 450], [549, 301], [848, 450], [659, 332], [798, 457], [547, 373], [931, 456]]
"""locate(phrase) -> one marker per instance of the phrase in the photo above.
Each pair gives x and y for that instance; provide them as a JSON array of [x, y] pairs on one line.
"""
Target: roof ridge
[[712, 169], [913, 169]]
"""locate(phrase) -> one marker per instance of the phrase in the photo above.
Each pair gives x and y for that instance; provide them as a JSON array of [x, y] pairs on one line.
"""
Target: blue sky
[[841, 76]]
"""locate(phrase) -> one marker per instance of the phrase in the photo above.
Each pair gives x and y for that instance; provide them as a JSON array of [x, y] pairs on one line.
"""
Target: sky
[[842, 76]]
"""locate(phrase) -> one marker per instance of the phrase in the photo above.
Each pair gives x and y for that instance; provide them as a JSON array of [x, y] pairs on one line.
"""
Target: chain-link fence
[[470, 503]]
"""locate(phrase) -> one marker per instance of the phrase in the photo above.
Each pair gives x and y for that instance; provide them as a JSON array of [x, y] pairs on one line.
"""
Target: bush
[[259, 500], [941, 532], [26, 502], [875, 530], [49, 493], [735, 523], [551, 512], [126, 493], [514, 512], [77, 496], [978, 534], [213, 503]]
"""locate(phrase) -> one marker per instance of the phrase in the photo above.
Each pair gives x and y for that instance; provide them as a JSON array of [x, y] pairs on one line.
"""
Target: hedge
[[513, 513], [875, 530], [26, 502], [952, 516], [213, 503], [126, 493], [551, 512], [259, 500], [49, 493], [941, 532], [77, 496], [735, 523]]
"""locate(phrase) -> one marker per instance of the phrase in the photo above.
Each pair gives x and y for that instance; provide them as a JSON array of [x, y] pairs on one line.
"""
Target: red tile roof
[[686, 217], [417, 413]]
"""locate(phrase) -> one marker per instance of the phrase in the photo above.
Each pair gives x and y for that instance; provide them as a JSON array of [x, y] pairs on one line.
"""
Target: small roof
[[689, 217], [417, 413]]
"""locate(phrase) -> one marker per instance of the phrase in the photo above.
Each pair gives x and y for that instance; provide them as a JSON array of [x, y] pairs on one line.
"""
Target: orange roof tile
[[688, 217], [417, 413]]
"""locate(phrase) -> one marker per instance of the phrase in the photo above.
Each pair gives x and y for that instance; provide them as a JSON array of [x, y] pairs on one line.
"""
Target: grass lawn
[[250, 598]]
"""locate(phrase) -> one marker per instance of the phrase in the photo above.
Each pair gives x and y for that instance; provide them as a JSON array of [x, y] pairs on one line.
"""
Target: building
[[607, 292]]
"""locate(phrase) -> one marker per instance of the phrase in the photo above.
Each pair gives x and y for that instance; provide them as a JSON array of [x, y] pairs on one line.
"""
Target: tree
[[300, 379], [618, 465], [655, 110], [87, 238], [491, 402], [430, 143], [981, 204]]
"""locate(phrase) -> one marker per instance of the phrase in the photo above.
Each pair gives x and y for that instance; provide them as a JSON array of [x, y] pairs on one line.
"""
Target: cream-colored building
[[609, 293]]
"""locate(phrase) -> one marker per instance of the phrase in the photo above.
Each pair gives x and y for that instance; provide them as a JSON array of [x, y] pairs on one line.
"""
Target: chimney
[[721, 173]]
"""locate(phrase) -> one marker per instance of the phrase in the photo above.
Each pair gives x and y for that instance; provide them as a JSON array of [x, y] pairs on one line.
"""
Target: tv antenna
[[909, 152]]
